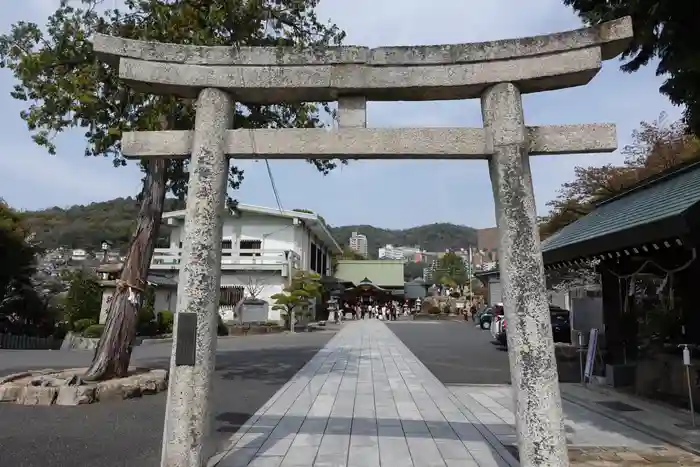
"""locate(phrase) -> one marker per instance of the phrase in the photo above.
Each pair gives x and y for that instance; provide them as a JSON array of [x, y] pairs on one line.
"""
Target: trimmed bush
[[434, 310], [165, 320], [94, 331], [221, 329], [82, 324]]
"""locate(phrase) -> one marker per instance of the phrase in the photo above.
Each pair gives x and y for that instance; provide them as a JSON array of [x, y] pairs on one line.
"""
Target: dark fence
[[16, 342]]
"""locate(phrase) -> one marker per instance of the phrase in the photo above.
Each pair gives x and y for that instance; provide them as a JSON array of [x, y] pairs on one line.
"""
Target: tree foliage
[[66, 87], [299, 295], [17, 252], [664, 30], [84, 298], [451, 271], [413, 270], [21, 307], [656, 147]]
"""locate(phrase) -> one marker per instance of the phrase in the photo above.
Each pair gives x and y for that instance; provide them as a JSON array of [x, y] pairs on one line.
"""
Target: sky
[[388, 194]]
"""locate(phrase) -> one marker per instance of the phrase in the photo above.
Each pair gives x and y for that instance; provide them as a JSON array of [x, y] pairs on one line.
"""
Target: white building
[[78, 255], [358, 243], [390, 252], [405, 253], [261, 250]]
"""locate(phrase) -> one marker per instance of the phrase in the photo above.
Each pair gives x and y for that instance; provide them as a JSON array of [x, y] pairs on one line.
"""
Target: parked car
[[497, 321], [561, 326], [501, 336], [484, 317]]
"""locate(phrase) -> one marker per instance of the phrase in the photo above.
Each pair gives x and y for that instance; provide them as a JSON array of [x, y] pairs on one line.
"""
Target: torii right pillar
[[533, 366]]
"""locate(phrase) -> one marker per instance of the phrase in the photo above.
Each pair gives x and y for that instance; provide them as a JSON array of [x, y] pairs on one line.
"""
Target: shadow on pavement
[[128, 433], [271, 434]]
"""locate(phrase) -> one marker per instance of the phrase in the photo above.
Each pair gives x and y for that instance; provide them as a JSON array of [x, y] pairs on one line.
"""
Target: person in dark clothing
[[472, 311]]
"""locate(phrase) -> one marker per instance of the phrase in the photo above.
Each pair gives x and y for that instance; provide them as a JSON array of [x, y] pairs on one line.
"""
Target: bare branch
[[255, 287]]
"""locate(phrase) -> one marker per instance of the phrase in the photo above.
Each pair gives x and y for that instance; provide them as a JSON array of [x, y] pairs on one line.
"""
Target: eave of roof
[[312, 221], [649, 212]]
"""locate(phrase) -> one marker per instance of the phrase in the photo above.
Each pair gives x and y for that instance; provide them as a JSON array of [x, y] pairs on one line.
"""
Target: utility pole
[[469, 278], [290, 278]]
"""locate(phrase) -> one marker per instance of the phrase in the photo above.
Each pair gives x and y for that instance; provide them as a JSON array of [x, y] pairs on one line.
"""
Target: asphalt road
[[249, 370], [456, 352]]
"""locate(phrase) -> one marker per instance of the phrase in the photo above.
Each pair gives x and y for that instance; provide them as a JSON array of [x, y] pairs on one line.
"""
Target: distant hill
[[431, 237], [87, 226]]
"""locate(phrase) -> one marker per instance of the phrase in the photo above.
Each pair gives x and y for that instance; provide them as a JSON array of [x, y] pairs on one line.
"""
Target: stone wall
[[74, 341]]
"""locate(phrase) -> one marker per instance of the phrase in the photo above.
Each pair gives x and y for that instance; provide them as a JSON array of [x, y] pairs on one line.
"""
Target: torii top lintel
[[413, 73]]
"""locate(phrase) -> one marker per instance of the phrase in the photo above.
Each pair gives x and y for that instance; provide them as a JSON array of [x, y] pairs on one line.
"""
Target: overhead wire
[[270, 175]]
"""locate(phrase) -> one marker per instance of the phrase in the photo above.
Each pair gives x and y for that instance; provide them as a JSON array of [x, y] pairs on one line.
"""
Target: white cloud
[[385, 193]]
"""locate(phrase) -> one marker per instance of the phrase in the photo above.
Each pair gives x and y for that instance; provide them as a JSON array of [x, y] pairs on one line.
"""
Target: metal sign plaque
[[186, 339]]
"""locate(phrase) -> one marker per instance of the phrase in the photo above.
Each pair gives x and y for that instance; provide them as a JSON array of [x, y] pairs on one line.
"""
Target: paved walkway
[[663, 422], [366, 401]]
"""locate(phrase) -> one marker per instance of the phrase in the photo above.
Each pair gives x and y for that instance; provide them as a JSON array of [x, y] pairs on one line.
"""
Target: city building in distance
[[358, 243]]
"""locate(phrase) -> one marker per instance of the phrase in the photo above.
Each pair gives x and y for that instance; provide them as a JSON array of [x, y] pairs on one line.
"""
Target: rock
[[131, 390], [74, 380], [10, 392], [109, 390], [67, 387], [148, 386], [14, 376], [76, 395], [37, 395]]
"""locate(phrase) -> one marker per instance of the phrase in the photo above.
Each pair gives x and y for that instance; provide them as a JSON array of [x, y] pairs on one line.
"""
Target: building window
[[250, 245], [313, 257], [226, 245], [324, 263], [230, 296]]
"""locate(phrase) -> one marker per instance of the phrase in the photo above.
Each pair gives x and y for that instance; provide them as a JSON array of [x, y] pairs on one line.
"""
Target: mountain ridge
[[86, 226]]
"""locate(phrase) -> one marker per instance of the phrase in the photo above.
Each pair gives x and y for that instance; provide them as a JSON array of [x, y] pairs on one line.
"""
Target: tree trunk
[[113, 352]]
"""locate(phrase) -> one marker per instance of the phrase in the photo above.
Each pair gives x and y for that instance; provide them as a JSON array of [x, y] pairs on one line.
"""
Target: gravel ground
[[249, 370], [456, 352]]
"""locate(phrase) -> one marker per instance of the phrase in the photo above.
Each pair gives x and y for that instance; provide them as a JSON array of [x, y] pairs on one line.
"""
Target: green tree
[[656, 146], [299, 295], [66, 87], [84, 298], [664, 30], [451, 271], [19, 310], [413, 270]]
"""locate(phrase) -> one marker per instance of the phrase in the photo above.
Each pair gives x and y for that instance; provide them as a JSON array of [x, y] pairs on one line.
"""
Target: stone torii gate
[[496, 72]]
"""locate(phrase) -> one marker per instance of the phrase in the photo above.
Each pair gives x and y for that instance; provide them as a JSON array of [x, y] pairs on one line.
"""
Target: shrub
[[82, 324], [84, 297], [434, 310], [94, 331], [60, 331], [146, 322], [221, 329], [165, 321]]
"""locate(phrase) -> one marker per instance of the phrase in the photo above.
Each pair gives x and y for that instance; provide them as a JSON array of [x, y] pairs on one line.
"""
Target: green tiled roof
[[661, 199], [382, 273]]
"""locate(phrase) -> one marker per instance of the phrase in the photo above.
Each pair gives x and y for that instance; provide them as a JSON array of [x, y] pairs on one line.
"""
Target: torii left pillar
[[187, 418]]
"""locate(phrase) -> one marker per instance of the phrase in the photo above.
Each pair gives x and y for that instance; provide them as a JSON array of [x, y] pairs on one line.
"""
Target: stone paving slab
[[666, 423], [365, 401], [594, 440]]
